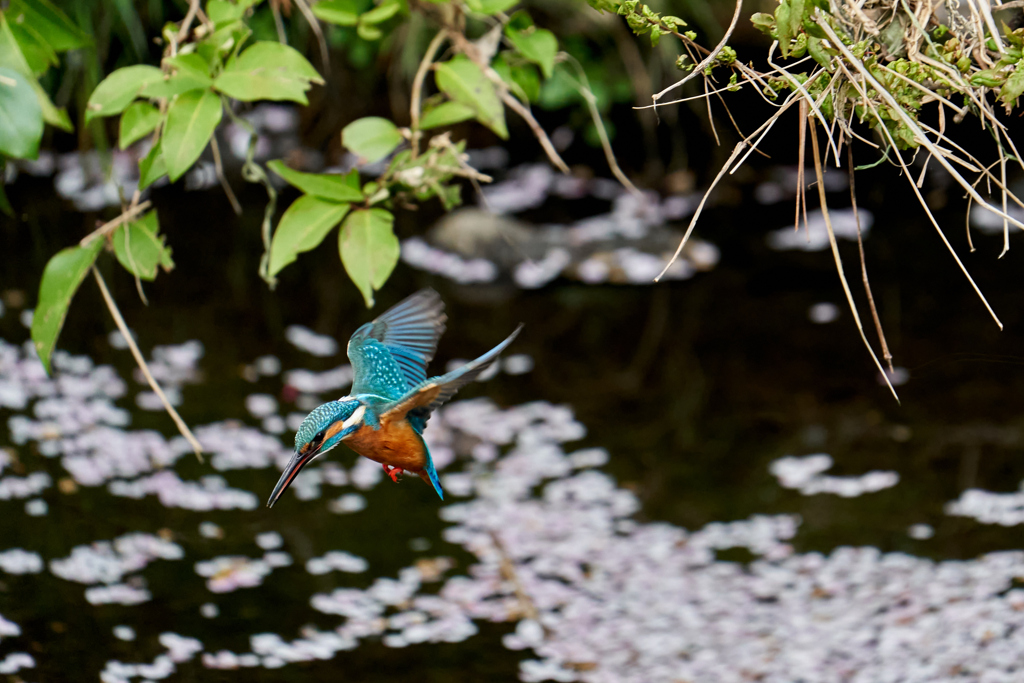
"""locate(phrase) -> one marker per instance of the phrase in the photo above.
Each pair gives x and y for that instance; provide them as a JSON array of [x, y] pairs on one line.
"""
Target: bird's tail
[[429, 474]]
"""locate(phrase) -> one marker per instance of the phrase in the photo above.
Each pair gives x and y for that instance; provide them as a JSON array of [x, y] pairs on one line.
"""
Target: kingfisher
[[384, 417]]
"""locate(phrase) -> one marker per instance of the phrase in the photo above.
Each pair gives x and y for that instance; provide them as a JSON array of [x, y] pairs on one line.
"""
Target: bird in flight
[[384, 417]]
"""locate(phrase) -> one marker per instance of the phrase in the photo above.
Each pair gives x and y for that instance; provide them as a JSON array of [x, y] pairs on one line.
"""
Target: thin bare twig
[[126, 333], [801, 185], [282, 35], [127, 216], [699, 69], [895, 107], [515, 105], [1002, 177], [583, 88], [863, 261], [799, 87], [688, 99], [314, 25], [920, 198], [127, 247], [835, 254], [466, 47], [417, 91], [186, 24], [711, 118], [219, 168], [737, 150]]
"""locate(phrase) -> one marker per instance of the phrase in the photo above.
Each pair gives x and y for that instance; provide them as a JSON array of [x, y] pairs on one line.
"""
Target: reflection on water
[[697, 481], [558, 552]]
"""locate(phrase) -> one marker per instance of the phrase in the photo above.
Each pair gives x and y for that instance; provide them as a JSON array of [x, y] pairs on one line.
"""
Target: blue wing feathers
[[413, 364], [449, 385], [409, 331], [457, 379]]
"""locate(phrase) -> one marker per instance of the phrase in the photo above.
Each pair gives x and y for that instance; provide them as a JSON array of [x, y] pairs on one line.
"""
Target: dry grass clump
[[865, 70]]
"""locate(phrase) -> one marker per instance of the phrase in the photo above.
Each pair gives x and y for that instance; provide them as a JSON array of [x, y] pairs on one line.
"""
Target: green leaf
[[51, 113], [152, 167], [324, 185], [137, 121], [61, 278], [303, 227], [44, 19], [37, 51], [177, 84], [763, 22], [140, 249], [224, 40], [464, 82], [352, 180], [446, 114], [527, 78], [522, 79], [1013, 88], [798, 10], [338, 12], [191, 120], [221, 12], [191, 62], [21, 118], [989, 78], [520, 20], [371, 138], [539, 46], [378, 15], [820, 54], [268, 71], [490, 7], [502, 67], [12, 58], [672, 23], [369, 249], [782, 24], [368, 32], [116, 91], [191, 73], [1014, 37], [450, 196], [812, 30]]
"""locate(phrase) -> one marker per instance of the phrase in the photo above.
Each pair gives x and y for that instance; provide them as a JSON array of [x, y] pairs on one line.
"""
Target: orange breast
[[395, 444]]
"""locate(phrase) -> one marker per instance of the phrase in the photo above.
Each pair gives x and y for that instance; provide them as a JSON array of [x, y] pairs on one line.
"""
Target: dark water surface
[[694, 388]]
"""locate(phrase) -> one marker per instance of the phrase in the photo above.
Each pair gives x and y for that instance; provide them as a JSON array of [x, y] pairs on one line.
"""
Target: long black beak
[[295, 465]]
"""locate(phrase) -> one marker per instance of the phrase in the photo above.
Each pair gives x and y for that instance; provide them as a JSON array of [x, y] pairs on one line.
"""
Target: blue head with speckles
[[316, 434], [322, 417], [322, 430]]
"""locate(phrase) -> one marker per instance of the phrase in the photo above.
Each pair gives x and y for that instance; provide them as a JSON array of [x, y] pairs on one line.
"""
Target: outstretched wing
[[390, 354], [431, 394]]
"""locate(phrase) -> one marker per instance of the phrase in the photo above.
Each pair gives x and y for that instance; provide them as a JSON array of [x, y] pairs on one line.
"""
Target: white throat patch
[[355, 418]]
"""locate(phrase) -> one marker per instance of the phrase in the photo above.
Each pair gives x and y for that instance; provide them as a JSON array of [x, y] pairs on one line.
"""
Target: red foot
[[392, 472]]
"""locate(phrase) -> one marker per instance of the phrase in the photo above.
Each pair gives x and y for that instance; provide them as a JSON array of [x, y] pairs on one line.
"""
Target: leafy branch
[[878, 64], [212, 66]]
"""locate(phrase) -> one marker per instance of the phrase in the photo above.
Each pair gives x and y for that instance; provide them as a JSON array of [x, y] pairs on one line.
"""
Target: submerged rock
[[470, 245]]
